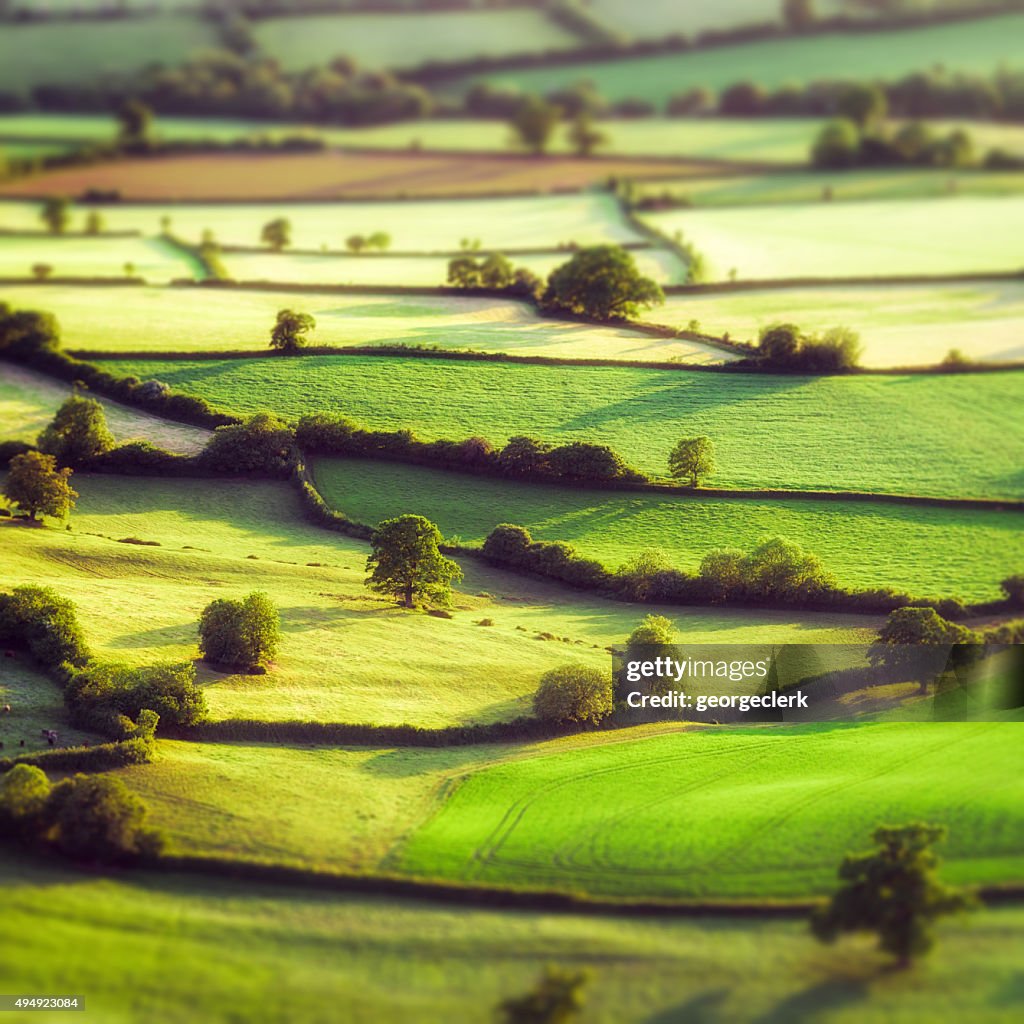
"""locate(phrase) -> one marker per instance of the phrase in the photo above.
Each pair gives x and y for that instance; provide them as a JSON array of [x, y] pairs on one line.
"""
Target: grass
[[347, 655], [867, 239], [947, 435], [899, 325], [407, 40], [36, 704], [920, 550], [150, 258], [978, 46], [768, 812], [197, 319], [166, 947], [29, 400]]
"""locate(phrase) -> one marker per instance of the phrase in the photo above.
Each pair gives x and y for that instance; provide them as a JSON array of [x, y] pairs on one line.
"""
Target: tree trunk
[[408, 595]]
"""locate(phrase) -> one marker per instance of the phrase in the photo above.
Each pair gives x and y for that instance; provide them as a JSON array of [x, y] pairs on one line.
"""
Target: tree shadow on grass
[[158, 637], [822, 997], [705, 1008]]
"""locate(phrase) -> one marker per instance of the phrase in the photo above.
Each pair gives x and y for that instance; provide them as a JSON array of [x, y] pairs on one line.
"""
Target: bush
[[262, 444], [143, 457], [573, 693], [240, 634], [78, 432], [1013, 588], [12, 449], [46, 623]]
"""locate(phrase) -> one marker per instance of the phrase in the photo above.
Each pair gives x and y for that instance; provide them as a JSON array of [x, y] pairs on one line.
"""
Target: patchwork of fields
[[149, 258]]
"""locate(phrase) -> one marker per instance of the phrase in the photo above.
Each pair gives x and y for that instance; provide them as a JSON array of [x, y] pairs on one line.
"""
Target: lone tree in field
[[379, 240], [36, 485], [406, 562], [240, 634], [55, 214], [534, 123], [583, 136], [356, 243], [602, 282], [557, 998], [94, 223], [41, 271], [573, 693], [692, 459], [135, 123], [892, 891], [277, 233], [78, 432], [289, 331]]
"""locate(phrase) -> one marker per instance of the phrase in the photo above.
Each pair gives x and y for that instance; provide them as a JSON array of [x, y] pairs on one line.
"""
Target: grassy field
[[163, 946], [899, 325], [150, 258], [920, 550], [36, 704], [912, 434], [721, 813], [346, 654], [868, 239], [406, 40], [28, 401], [197, 319], [82, 51], [977, 46]]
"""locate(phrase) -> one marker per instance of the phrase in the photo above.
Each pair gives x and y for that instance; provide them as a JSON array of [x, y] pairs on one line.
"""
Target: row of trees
[[276, 234]]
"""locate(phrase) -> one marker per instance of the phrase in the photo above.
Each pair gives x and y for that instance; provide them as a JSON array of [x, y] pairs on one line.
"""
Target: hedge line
[[100, 758]]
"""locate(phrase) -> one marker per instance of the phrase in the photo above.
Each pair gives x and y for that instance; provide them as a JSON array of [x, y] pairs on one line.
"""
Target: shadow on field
[[826, 995], [409, 762], [1012, 993], [182, 633], [703, 1009]]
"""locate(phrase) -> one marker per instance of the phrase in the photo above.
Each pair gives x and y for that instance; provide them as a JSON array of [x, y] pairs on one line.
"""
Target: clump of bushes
[[262, 444], [240, 634], [573, 694], [45, 623], [512, 546], [787, 348]]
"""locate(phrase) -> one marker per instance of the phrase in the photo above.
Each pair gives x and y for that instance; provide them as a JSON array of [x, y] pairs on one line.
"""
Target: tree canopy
[[35, 484], [240, 634], [574, 693], [78, 432], [290, 329], [692, 459], [601, 282], [534, 122], [406, 562]]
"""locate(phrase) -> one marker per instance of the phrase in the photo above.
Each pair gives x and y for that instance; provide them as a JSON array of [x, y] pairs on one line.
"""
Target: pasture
[[899, 325], [169, 946], [717, 812], [921, 550], [865, 239], [877, 433], [198, 319], [974, 46], [36, 704]]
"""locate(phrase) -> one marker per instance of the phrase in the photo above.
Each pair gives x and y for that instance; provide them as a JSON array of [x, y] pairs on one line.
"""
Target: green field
[[29, 400], [166, 947], [899, 325], [917, 549], [150, 258], [977, 46], [198, 319], [910, 434], [767, 812], [406, 40], [36, 704], [81, 51], [867, 239]]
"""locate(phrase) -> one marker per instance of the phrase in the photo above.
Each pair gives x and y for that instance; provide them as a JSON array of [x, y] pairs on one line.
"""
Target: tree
[[135, 121], [24, 791], [277, 233], [781, 568], [904, 642], [240, 634], [405, 561], [41, 271], [693, 458], [41, 620], [55, 214], [27, 331], [289, 331], [653, 629], [639, 573], [602, 282], [261, 444], [379, 240], [496, 271], [837, 145], [583, 136], [892, 891], [524, 456], [78, 432], [534, 122], [863, 103], [94, 223], [464, 272], [798, 14], [573, 693], [779, 344], [355, 243], [1013, 590], [35, 484], [556, 999]]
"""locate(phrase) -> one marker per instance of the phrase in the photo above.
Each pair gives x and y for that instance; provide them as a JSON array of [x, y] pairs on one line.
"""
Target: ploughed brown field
[[333, 175]]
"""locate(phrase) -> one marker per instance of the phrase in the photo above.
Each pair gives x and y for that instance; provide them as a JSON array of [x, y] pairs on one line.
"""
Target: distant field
[[719, 813], [977, 46], [196, 319], [80, 51], [912, 434], [927, 236], [36, 704], [406, 40], [899, 325], [150, 258], [29, 400], [926, 551]]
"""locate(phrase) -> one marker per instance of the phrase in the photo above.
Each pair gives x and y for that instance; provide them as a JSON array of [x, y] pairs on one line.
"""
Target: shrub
[[78, 432], [41, 620], [1013, 588], [240, 634], [580, 460], [524, 456], [507, 544], [573, 693], [262, 444]]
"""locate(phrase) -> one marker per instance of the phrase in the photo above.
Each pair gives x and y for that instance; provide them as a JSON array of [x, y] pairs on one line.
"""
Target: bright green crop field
[[956, 435], [149, 258], [934, 551], [167, 947], [977, 46], [768, 812], [866, 239]]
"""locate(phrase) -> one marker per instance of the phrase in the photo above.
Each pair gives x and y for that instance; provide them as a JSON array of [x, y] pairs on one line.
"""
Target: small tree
[[464, 272], [693, 458], [496, 271], [557, 998], [405, 561], [355, 243], [277, 233], [55, 214], [94, 223], [837, 145], [892, 891], [534, 123], [261, 444], [798, 14], [583, 136], [602, 282], [289, 331], [573, 693], [78, 432], [41, 271], [379, 240], [35, 484], [904, 640], [653, 629], [240, 634], [135, 121], [862, 103]]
